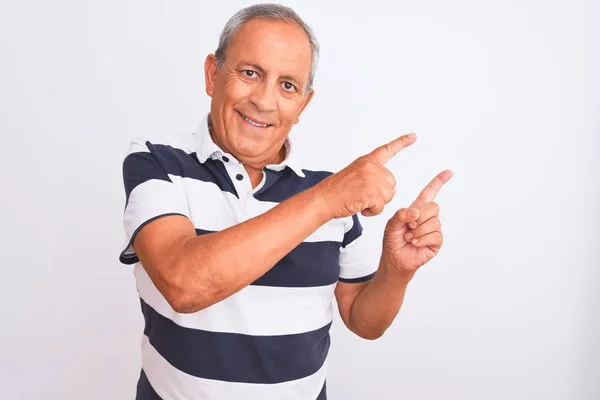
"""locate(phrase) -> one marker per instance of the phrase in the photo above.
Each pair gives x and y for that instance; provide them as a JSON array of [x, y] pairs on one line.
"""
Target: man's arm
[[369, 308], [193, 272], [412, 237]]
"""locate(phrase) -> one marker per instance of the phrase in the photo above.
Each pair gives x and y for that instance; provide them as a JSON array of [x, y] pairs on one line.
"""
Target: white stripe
[[172, 384], [180, 141], [218, 210], [357, 259], [214, 209], [137, 145], [254, 310], [148, 200]]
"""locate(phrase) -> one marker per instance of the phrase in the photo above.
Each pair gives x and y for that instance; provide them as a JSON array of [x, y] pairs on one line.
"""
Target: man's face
[[260, 92]]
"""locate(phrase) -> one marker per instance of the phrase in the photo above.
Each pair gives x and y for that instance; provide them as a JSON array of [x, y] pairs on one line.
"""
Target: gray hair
[[274, 12]]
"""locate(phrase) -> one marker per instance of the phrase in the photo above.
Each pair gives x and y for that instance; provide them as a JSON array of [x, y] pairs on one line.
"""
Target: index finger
[[384, 153], [428, 194]]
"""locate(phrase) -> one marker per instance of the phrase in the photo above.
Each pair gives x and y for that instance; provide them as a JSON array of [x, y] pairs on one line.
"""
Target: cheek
[[289, 109], [236, 90]]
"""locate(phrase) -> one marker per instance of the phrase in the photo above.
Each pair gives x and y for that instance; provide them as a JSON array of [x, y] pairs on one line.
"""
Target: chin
[[249, 148]]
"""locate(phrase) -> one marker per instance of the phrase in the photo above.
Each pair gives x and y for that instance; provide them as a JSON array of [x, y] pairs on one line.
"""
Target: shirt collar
[[206, 148]]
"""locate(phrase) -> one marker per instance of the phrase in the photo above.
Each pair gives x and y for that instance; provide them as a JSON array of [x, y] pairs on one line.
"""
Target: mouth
[[252, 122]]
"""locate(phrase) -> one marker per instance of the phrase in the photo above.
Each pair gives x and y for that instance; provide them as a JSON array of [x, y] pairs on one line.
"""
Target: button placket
[[239, 178], [242, 184]]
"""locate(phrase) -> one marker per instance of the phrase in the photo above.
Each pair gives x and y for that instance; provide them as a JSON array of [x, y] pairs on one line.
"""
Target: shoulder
[[171, 152], [163, 145], [157, 159]]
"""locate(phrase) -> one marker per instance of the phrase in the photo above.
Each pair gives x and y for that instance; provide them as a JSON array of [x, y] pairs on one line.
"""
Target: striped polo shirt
[[270, 340]]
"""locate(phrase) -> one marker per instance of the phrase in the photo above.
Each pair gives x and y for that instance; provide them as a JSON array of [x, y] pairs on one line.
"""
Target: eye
[[249, 73], [289, 86]]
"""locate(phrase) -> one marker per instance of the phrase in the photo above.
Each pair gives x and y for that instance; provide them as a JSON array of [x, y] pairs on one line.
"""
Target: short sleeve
[[355, 265], [149, 194]]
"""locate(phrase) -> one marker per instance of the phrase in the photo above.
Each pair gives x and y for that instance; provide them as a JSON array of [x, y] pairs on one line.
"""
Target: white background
[[504, 93]]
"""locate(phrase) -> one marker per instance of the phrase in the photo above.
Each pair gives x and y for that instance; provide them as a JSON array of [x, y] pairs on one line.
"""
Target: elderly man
[[238, 251]]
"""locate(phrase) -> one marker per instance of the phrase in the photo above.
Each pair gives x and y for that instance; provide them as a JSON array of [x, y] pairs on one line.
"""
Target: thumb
[[402, 217]]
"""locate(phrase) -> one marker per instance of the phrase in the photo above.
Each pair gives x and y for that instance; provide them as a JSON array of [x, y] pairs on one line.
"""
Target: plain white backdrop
[[504, 93]]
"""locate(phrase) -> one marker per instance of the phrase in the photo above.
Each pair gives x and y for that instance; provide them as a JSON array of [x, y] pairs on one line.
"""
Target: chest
[[217, 205]]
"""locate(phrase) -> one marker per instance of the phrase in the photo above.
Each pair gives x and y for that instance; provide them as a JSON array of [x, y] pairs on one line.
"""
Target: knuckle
[[372, 167], [389, 177], [365, 166], [388, 194], [370, 198], [364, 159], [421, 219], [418, 231], [361, 162]]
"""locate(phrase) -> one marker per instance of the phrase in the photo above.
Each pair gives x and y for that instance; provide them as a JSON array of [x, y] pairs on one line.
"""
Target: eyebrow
[[287, 77]]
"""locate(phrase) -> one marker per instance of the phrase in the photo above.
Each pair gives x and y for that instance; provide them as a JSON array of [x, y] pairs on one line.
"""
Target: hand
[[413, 236], [364, 186]]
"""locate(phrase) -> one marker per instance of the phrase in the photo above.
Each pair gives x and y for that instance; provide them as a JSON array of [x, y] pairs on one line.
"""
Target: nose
[[264, 97]]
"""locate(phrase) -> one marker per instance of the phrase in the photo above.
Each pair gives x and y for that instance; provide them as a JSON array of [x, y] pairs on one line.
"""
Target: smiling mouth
[[254, 123]]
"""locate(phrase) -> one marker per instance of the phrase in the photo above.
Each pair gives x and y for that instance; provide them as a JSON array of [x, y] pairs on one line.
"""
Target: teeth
[[254, 123]]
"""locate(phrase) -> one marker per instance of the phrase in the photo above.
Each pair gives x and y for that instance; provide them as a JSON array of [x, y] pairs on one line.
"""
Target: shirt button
[[239, 177], [225, 159]]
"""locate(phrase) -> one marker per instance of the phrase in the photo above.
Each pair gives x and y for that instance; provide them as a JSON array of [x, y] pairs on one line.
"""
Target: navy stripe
[[288, 184], [358, 280], [271, 177], [309, 264], [177, 162], [139, 168], [145, 390], [323, 394], [201, 232], [165, 160], [130, 259], [235, 357], [354, 232]]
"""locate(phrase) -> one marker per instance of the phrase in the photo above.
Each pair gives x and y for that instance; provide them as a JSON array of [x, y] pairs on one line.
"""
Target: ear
[[210, 74], [305, 102]]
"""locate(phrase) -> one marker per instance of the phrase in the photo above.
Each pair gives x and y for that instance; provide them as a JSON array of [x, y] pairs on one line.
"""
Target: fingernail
[[413, 225], [412, 213], [415, 241], [409, 236]]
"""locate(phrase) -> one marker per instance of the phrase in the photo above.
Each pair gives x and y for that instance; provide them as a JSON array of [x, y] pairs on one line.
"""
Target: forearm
[[212, 267], [378, 303]]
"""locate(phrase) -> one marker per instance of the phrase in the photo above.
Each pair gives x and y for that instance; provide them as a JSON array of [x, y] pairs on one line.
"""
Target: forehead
[[278, 47]]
